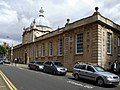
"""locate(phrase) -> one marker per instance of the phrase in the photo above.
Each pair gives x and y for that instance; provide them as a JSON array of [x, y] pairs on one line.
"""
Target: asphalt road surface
[[25, 79]]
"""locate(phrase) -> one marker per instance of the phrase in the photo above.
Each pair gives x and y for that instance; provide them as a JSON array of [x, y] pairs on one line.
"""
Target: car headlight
[[58, 69], [109, 77], [65, 69], [41, 67]]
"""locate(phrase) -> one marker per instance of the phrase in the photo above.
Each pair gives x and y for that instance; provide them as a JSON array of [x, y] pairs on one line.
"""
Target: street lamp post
[[11, 51]]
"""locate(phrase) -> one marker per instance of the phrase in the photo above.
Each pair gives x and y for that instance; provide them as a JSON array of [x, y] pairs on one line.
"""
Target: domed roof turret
[[41, 20]]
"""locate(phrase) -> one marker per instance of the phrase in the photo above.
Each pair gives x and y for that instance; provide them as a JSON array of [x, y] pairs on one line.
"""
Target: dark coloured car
[[36, 65], [55, 67]]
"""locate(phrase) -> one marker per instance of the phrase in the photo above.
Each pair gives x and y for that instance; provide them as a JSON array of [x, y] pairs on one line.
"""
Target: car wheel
[[44, 70], [76, 76], [54, 72], [36, 68], [29, 67], [64, 74], [100, 81]]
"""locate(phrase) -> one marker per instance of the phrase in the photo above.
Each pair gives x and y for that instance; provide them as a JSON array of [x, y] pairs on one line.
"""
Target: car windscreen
[[99, 69], [40, 63], [58, 64]]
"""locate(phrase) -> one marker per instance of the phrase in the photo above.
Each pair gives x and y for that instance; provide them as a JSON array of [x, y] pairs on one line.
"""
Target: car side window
[[76, 67], [83, 67], [89, 68], [47, 63], [32, 62]]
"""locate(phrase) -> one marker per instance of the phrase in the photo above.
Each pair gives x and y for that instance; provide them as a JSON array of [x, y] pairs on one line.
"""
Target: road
[[25, 79]]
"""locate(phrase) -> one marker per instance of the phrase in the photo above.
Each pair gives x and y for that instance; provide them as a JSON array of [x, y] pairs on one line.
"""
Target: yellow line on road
[[10, 85]]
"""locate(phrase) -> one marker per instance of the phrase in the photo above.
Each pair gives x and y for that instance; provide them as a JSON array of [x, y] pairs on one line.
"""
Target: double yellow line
[[10, 85]]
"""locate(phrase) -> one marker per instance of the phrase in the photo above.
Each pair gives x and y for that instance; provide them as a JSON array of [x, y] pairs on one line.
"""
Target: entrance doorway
[[25, 58]]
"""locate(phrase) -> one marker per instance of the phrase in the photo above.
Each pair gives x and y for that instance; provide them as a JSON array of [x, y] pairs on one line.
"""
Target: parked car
[[36, 65], [95, 73], [1, 61], [55, 67]]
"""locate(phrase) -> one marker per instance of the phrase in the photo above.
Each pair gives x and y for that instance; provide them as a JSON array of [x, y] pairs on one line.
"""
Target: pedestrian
[[15, 61], [114, 67]]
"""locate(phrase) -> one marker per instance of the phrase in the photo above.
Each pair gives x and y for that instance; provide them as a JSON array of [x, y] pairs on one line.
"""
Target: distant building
[[94, 39]]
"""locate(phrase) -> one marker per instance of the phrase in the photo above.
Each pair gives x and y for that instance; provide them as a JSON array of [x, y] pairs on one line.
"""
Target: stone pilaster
[[100, 48], [94, 45], [66, 46]]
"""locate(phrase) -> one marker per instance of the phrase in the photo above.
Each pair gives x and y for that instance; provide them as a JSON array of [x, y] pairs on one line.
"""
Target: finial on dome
[[58, 28], [68, 20], [24, 28], [34, 22], [41, 10], [96, 9]]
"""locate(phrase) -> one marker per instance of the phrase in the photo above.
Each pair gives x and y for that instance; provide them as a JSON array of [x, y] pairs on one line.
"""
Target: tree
[[3, 50]]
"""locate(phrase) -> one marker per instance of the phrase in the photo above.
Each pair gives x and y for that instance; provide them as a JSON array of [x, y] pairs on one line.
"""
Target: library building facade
[[94, 39]]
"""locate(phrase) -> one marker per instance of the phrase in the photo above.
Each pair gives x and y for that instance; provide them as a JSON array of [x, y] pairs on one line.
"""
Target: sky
[[17, 14]]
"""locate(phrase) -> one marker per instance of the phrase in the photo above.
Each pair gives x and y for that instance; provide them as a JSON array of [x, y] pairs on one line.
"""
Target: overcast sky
[[15, 14]]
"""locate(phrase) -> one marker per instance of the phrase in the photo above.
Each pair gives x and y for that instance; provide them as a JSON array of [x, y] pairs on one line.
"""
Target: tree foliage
[[3, 50]]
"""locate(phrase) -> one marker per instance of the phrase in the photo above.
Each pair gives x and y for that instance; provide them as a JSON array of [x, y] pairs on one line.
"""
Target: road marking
[[78, 84], [10, 85]]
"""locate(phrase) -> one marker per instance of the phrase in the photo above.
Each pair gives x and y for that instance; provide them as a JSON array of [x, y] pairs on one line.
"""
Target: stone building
[[94, 39]]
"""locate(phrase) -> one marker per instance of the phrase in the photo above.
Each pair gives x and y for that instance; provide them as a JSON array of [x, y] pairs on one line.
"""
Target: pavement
[[18, 65]]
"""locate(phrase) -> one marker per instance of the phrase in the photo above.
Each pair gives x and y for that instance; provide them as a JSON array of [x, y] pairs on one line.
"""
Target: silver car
[[36, 65], [95, 73], [1, 61]]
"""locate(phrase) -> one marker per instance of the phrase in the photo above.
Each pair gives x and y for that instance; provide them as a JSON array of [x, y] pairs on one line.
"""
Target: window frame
[[60, 45], [36, 51], [43, 50], [50, 48], [79, 43], [109, 43], [118, 45]]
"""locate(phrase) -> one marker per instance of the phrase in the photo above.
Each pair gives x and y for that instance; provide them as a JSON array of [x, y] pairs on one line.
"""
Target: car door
[[81, 71], [34, 65], [46, 66], [31, 65], [90, 73], [51, 67]]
